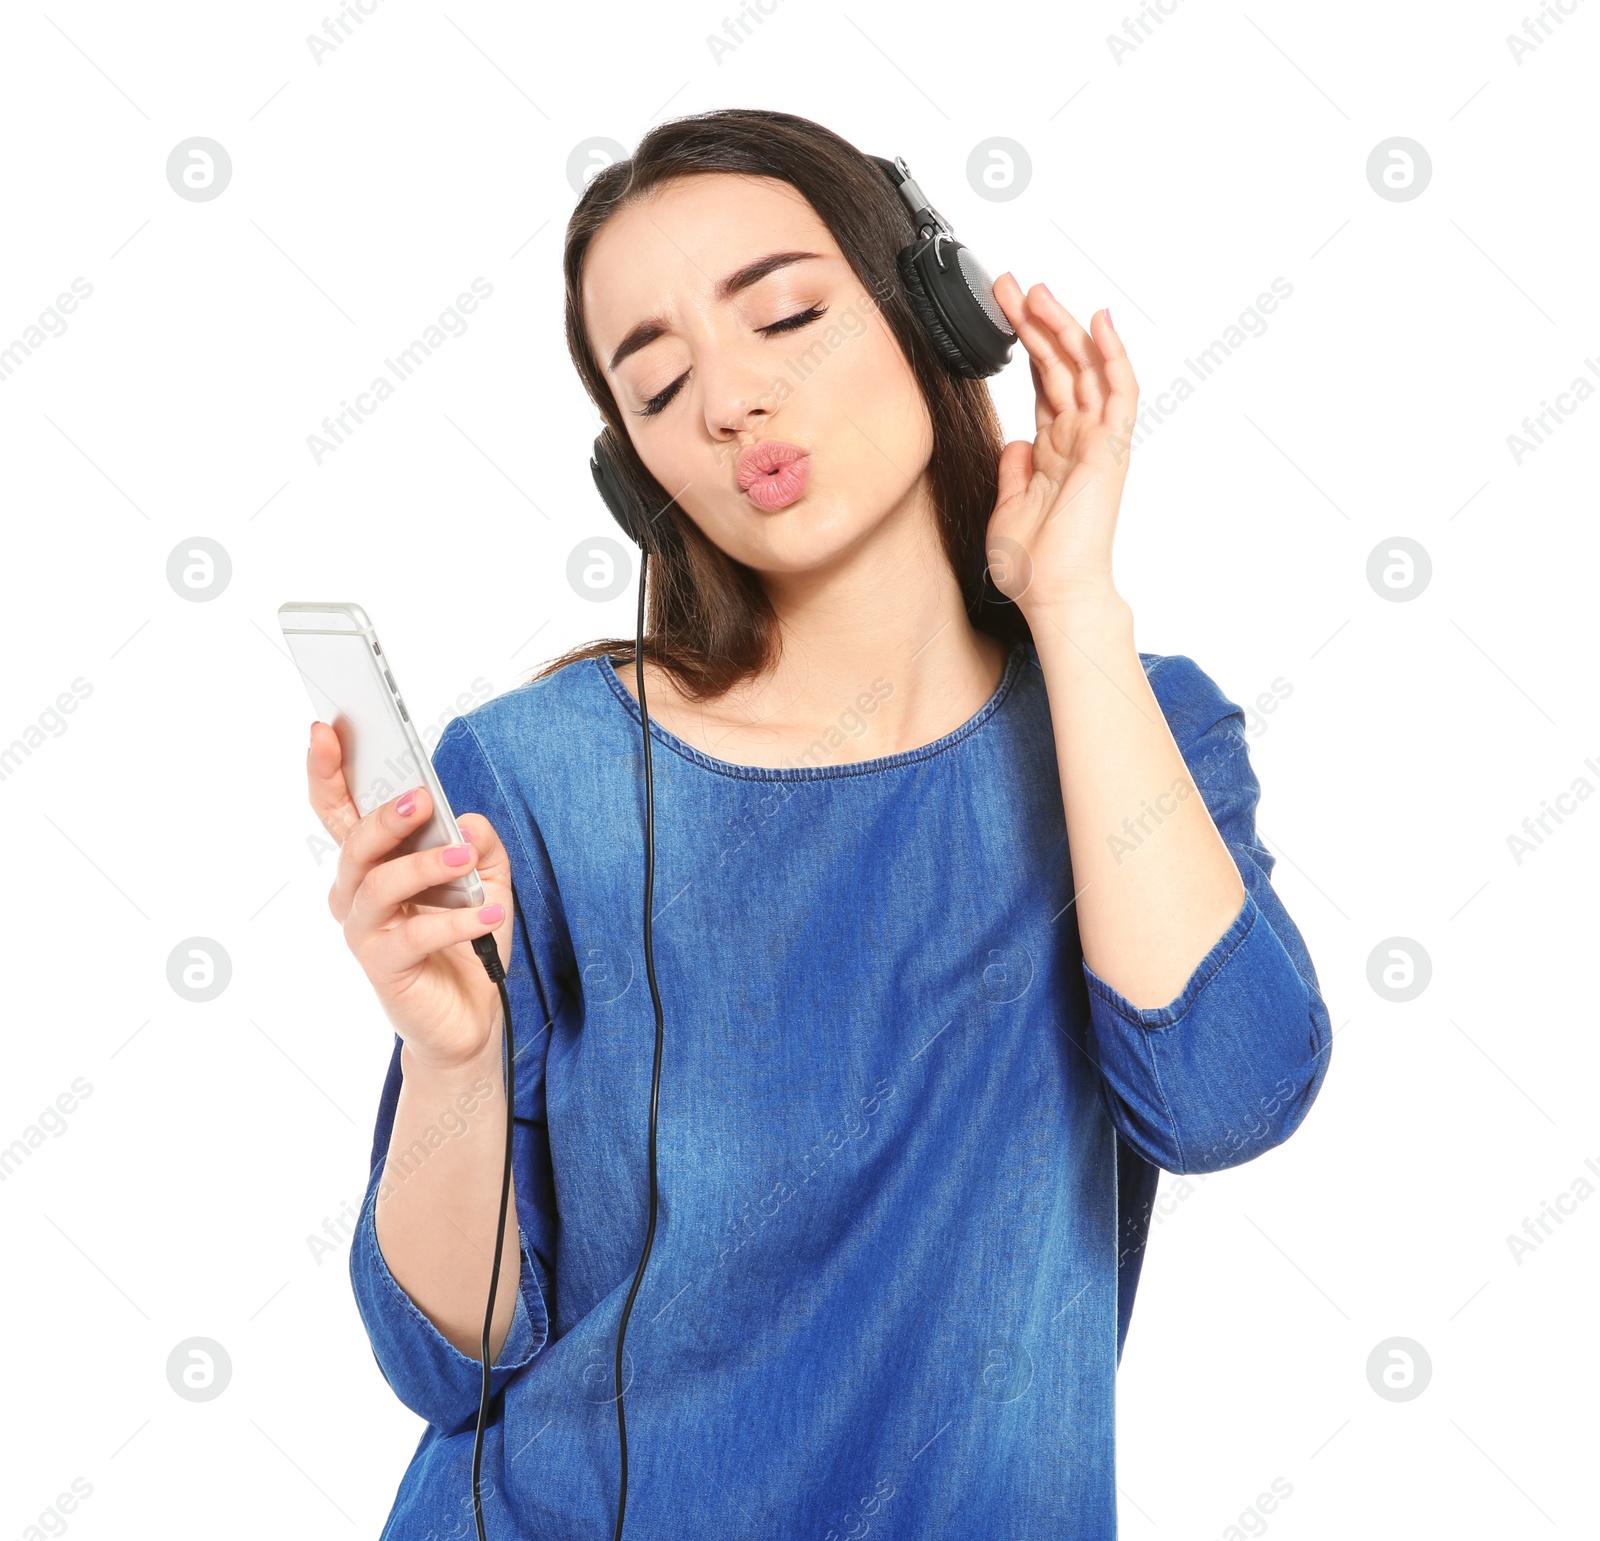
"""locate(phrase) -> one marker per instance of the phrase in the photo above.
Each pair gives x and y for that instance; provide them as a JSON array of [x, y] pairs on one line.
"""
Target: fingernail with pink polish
[[457, 855], [404, 805], [492, 914]]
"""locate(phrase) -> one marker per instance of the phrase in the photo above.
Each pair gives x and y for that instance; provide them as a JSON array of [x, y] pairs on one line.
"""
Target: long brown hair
[[708, 621]]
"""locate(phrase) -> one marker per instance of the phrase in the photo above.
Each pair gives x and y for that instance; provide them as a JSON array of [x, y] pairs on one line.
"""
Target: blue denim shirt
[[908, 1140]]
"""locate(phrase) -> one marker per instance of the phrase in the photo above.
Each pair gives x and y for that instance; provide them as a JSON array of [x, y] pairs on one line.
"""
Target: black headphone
[[951, 293]]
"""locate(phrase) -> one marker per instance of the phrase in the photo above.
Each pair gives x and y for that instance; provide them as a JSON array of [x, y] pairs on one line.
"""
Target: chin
[[810, 533]]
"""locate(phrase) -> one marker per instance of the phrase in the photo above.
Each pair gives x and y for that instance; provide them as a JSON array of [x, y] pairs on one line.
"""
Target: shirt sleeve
[[1230, 1067], [427, 1372]]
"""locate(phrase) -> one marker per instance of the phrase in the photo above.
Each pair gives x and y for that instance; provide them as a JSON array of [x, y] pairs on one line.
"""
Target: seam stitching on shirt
[[1230, 707], [1172, 1122], [409, 1306], [522, 839], [1102, 987], [544, 904], [736, 772], [1251, 912]]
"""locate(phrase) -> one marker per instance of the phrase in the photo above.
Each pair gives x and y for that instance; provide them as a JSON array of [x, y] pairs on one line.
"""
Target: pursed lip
[[763, 459]]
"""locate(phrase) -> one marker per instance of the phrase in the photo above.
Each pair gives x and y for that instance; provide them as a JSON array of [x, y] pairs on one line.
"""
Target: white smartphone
[[352, 687]]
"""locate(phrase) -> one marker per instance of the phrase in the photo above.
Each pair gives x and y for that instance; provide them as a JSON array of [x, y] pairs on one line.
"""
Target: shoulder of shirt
[[542, 712], [1190, 699]]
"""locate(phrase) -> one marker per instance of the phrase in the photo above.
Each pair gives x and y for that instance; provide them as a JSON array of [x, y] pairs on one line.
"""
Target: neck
[[877, 657]]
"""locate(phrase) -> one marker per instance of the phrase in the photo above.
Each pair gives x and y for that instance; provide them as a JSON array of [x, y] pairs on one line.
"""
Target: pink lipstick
[[773, 474]]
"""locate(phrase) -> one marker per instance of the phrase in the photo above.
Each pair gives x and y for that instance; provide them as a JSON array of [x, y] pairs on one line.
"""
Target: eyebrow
[[653, 327]]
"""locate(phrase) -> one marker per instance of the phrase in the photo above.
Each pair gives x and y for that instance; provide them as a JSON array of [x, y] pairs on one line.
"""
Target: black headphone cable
[[655, 1000], [489, 956]]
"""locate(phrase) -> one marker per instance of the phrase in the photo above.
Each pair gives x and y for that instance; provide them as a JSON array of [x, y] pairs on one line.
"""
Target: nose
[[737, 392], [737, 419]]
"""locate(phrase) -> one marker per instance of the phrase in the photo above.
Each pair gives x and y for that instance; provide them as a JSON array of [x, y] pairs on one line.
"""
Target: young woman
[[960, 924]]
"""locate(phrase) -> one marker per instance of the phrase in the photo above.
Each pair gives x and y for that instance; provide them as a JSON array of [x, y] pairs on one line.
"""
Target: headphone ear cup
[[953, 297], [944, 344], [604, 467]]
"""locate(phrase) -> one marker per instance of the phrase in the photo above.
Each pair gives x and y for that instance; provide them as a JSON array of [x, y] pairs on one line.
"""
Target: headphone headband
[[924, 216]]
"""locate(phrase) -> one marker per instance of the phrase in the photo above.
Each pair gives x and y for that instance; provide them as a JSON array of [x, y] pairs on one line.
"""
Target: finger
[[403, 947], [1074, 343], [1054, 372], [1078, 344], [492, 856], [494, 861], [372, 840], [325, 783], [390, 884], [1119, 368], [1016, 470], [1043, 414]]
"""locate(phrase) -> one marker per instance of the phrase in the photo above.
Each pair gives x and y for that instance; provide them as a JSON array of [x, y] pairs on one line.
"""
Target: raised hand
[[1049, 538]]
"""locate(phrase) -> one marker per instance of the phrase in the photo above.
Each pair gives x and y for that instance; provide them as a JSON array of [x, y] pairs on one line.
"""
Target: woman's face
[[715, 377]]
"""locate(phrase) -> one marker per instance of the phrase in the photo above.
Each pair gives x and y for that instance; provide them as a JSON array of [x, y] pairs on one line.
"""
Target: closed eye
[[795, 322], [788, 324]]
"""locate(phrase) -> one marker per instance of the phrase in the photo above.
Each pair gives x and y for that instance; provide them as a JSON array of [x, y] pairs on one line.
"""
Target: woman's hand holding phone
[[430, 982]]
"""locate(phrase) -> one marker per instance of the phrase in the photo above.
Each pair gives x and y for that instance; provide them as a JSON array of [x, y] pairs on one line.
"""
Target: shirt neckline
[[669, 740]]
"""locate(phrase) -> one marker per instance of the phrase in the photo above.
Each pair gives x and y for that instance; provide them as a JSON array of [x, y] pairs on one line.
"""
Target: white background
[[431, 148]]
